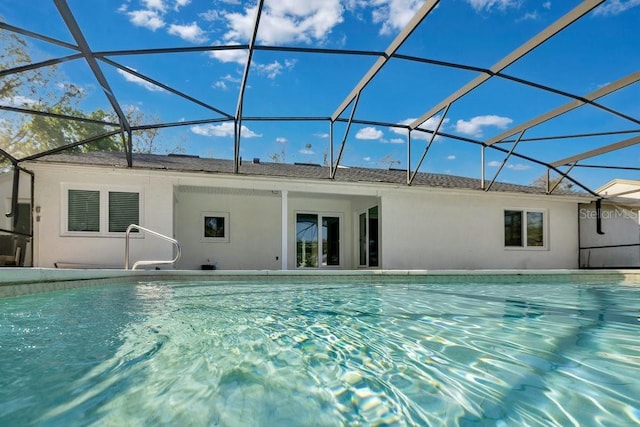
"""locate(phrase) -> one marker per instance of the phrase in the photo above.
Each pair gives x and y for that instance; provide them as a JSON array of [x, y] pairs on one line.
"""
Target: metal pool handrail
[[146, 230]]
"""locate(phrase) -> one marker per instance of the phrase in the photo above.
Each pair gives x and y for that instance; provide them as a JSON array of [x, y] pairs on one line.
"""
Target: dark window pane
[[330, 240], [124, 210], [373, 236], [24, 218], [363, 239], [535, 229], [83, 210], [214, 226], [512, 228], [307, 240]]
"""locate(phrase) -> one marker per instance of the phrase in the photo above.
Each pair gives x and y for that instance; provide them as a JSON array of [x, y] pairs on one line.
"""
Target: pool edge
[[25, 281]]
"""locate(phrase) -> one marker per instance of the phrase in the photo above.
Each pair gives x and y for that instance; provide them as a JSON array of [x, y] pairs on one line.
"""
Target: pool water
[[326, 353]]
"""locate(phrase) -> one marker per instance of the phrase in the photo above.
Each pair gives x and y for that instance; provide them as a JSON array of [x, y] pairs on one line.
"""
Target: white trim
[[104, 209], [321, 215], [226, 227], [284, 212], [545, 229]]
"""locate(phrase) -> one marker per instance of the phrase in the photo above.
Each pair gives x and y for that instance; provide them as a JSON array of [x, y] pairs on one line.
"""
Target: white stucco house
[[282, 216], [610, 234]]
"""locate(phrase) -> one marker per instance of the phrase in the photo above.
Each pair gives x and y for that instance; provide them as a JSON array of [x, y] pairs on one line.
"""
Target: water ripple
[[358, 354]]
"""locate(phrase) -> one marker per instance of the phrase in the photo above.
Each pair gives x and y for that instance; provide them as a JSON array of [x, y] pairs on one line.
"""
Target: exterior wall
[[620, 225], [445, 230], [420, 228], [52, 246], [624, 187], [254, 228]]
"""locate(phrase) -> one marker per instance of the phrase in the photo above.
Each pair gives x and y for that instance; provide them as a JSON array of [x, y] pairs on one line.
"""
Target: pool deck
[[24, 281]]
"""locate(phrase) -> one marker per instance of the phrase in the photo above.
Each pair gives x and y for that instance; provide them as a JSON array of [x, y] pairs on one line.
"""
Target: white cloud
[[307, 151], [515, 167], [322, 135], [140, 82], [149, 19], [230, 78], [475, 126], [519, 167], [431, 124], [223, 130], [451, 157], [366, 159], [286, 21], [180, 3], [155, 5], [220, 85], [529, 16], [615, 7], [239, 56], [487, 5], [211, 15], [547, 5], [191, 33], [397, 140], [369, 133], [274, 69], [394, 14], [281, 140], [18, 101]]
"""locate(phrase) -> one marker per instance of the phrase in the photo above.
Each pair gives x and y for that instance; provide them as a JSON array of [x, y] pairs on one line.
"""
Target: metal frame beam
[[426, 149], [598, 151], [72, 145], [575, 14], [56, 115], [562, 176], [504, 162], [166, 87], [83, 46], [603, 91], [420, 15], [36, 65], [334, 169], [37, 36], [243, 86]]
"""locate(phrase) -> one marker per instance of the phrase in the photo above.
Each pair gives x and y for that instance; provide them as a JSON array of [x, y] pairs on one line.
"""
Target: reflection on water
[[318, 354]]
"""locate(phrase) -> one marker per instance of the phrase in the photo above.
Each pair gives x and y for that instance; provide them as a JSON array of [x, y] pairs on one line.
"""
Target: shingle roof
[[185, 163]]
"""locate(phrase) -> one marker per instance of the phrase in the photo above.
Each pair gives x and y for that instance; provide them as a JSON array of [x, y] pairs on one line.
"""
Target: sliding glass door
[[368, 238], [317, 240]]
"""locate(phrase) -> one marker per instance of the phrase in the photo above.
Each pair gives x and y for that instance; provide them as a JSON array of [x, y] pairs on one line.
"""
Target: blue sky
[[602, 47]]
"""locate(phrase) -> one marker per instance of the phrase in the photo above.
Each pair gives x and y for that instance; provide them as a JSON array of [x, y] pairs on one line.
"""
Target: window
[[524, 228], [84, 210], [124, 210], [99, 212], [215, 227], [314, 250], [368, 237]]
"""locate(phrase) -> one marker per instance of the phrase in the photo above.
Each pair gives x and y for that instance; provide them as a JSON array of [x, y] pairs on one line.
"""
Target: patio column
[[284, 256]]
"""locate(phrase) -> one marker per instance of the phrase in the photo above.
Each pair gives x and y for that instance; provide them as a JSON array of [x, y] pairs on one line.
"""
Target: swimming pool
[[322, 352]]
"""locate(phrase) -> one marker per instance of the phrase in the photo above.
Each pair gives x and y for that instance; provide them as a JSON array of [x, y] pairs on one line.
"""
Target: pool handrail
[[155, 233]]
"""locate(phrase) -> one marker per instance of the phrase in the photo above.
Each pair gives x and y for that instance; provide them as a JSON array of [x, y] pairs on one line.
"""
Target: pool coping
[[24, 281]]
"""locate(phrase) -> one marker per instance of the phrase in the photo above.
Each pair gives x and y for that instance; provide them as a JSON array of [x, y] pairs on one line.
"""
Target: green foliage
[[40, 90]]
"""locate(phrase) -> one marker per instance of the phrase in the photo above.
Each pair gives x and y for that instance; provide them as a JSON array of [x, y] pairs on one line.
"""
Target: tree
[[39, 89], [389, 161], [541, 182]]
